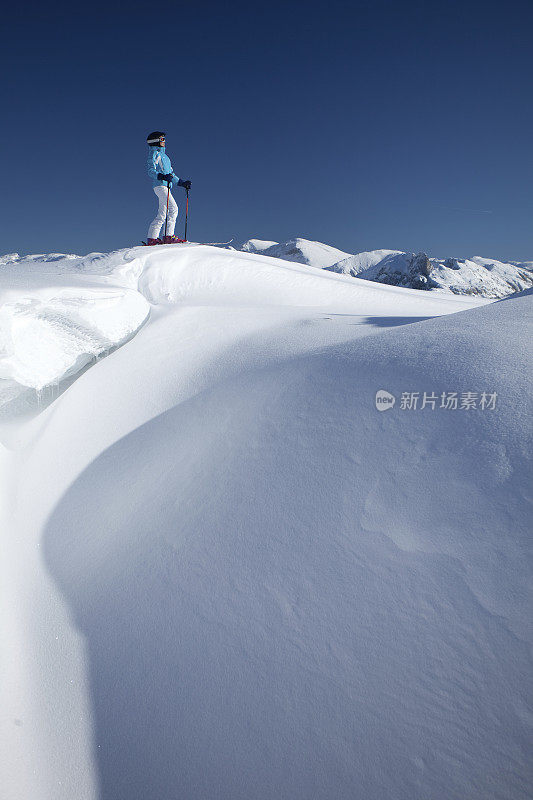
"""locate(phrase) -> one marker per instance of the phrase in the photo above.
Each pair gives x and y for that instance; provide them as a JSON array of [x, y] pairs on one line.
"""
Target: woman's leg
[[172, 215], [159, 219]]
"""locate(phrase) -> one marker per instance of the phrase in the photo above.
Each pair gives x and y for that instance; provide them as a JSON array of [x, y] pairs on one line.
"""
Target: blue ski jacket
[[158, 161]]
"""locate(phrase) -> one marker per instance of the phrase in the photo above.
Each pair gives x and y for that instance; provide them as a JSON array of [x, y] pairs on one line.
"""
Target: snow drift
[[62, 312], [56, 318], [236, 578]]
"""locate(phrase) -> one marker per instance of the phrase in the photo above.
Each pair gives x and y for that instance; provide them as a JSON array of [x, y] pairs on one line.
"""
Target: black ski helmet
[[153, 138]]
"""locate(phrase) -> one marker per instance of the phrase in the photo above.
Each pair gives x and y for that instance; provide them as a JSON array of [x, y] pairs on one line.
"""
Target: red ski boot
[[173, 240], [150, 242]]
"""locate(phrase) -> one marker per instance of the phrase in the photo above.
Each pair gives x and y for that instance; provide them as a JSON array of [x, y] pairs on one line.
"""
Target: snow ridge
[[62, 312]]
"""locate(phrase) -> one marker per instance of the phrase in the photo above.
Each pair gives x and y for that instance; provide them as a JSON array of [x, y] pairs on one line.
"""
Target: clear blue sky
[[361, 124]]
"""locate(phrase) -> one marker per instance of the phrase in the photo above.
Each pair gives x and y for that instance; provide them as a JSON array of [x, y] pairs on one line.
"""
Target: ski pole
[[186, 213], [166, 218]]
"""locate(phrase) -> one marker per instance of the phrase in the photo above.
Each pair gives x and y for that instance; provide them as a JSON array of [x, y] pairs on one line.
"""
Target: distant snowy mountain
[[265, 531], [302, 251], [475, 276]]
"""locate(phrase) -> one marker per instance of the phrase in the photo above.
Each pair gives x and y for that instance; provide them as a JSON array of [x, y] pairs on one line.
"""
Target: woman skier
[[160, 171]]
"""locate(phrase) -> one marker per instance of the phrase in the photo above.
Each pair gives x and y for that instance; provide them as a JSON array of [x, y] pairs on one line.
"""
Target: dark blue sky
[[364, 125]]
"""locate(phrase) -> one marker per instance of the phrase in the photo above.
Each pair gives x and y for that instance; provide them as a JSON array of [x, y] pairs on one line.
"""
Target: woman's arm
[[152, 164]]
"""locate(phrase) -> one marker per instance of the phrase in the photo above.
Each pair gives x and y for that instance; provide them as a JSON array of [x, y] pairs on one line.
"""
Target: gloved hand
[[162, 177], [185, 184]]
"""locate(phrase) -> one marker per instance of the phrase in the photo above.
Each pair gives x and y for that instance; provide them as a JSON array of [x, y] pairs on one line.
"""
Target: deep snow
[[225, 573]]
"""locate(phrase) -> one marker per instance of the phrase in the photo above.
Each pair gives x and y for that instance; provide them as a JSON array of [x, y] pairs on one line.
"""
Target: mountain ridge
[[476, 275]]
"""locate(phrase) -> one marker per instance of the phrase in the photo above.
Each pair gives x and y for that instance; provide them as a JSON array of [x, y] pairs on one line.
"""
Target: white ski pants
[[159, 221]]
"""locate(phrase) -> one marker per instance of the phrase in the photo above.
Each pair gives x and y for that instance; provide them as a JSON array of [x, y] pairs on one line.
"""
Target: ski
[[207, 244]]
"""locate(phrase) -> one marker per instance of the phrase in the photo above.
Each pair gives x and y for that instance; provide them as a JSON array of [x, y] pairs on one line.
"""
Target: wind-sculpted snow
[[228, 575], [201, 275], [61, 312], [47, 339]]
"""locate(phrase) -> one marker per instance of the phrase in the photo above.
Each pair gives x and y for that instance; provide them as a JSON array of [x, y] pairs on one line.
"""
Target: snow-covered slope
[[226, 574], [475, 276]]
